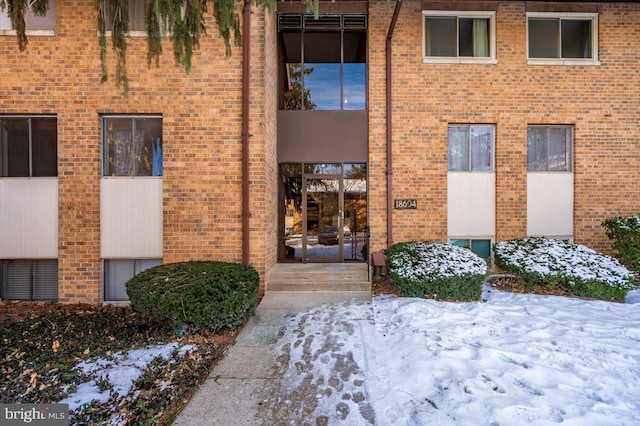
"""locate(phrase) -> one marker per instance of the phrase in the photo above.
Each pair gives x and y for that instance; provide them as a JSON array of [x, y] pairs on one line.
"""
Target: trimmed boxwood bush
[[574, 269], [203, 295], [436, 271], [625, 234]]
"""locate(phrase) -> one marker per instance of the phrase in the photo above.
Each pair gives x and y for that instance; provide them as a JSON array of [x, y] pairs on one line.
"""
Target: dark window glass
[[560, 38], [576, 38], [543, 38], [440, 36], [28, 146], [44, 138]]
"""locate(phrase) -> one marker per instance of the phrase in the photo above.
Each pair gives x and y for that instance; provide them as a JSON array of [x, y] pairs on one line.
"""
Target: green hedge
[[206, 295], [436, 271], [625, 234], [574, 269]]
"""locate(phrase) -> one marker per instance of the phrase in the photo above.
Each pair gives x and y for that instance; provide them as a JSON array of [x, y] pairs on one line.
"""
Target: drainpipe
[[246, 38], [392, 27]]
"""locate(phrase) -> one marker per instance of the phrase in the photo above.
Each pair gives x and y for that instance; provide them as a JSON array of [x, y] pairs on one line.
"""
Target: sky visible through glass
[[324, 86]]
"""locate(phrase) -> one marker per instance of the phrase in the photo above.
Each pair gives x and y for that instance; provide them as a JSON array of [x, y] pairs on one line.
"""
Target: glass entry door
[[322, 212], [323, 222]]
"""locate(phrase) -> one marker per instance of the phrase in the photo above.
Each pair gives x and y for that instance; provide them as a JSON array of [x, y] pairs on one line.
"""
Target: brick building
[[379, 122]]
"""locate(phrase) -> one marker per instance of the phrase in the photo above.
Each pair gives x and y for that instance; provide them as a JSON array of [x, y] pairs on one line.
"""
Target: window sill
[[131, 177], [30, 33], [136, 34], [482, 61], [565, 62]]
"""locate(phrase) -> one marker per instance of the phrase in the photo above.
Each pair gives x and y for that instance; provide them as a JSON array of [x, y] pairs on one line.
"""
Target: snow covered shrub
[[625, 233], [572, 268], [210, 295], [436, 271]]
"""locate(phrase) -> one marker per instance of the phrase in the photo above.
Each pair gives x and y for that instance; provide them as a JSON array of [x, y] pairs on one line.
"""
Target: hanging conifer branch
[[180, 20], [16, 10]]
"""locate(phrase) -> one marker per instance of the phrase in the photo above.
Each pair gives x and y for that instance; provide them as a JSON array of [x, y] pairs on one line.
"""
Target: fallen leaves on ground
[[41, 343]]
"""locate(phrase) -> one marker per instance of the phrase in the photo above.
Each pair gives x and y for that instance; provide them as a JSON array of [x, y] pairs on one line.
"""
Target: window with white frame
[[29, 279], [118, 271], [463, 37], [566, 38], [28, 146], [137, 15], [34, 24], [471, 147], [549, 148], [132, 145]]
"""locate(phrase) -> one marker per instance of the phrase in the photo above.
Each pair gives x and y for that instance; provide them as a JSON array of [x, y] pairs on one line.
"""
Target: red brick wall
[[201, 131], [602, 102]]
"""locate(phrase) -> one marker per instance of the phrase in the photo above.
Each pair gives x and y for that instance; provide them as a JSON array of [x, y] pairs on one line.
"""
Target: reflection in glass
[[323, 168], [323, 70], [481, 144], [327, 220], [458, 148]]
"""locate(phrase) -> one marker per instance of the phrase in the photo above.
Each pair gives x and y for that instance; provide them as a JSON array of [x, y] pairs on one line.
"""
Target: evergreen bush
[[200, 294], [436, 271], [574, 269], [625, 234]]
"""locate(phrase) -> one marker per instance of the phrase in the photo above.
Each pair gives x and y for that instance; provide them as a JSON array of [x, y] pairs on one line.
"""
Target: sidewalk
[[241, 388]]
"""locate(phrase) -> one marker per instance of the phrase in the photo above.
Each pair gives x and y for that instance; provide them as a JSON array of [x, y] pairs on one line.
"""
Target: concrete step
[[327, 285], [319, 277]]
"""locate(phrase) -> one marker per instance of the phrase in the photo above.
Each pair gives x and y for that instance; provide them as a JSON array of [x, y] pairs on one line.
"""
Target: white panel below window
[[550, 204], [131, 217], [28, 218], [471, 204]]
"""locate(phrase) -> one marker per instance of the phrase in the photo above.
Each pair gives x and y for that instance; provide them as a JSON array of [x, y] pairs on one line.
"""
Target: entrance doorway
[[323, 212]]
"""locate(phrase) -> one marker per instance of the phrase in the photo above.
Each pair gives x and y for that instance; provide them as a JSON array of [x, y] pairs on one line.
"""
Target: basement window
[[480, 247], [29, 279], [118, 271]]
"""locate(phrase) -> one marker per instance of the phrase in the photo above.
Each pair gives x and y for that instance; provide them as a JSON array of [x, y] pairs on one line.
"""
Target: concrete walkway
[[237, 390]]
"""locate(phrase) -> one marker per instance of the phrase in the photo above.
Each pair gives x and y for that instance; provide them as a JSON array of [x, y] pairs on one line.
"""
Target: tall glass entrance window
[[323, 212], [323, 62]]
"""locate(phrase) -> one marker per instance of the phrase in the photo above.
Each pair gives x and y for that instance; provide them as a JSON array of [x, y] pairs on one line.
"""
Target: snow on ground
[[511, 359], [119, 372]]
